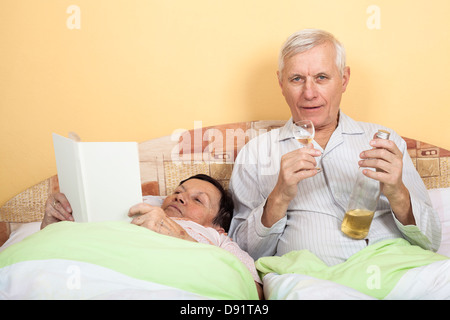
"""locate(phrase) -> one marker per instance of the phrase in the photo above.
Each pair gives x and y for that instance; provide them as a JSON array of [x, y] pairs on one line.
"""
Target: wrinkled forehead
[[320, 59], [201, 187]]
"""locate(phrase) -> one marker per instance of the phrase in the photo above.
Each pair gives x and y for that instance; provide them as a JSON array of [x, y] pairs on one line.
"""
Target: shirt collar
[[346, 125], [286, 132]]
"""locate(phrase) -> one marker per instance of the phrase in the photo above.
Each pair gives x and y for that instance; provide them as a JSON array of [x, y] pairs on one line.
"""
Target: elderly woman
[[198, 210]]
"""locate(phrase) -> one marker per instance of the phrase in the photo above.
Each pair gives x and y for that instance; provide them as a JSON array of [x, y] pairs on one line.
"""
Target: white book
[[101, 180]]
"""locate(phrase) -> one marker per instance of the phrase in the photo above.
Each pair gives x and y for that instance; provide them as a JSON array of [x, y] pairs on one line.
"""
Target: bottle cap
[[383, 134]]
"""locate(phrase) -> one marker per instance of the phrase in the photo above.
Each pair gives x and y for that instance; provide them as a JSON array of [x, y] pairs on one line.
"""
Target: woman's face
[[195, 200]]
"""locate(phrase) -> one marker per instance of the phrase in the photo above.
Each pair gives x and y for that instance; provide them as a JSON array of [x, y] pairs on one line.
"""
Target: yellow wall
[[138, 69]]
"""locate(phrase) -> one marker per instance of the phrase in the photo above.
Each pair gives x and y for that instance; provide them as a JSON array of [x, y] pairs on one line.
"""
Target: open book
[[101, 180]]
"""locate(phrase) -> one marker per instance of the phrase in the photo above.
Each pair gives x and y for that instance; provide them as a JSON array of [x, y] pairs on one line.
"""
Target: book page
[[101, 180], [69, 175], [111, 179]]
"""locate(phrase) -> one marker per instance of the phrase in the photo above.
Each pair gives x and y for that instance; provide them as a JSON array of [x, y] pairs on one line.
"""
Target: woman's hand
[[57, 208], [155, 219]]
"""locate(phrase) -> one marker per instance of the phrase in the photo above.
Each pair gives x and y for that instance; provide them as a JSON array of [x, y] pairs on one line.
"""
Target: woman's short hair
[[307, 39], [226, 205]]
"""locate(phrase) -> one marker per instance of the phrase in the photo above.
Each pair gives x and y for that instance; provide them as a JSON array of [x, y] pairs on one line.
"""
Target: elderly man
[[283, 203]]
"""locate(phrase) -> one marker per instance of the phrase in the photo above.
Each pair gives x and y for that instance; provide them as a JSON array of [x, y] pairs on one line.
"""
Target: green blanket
[[374, 270], [142, 254]]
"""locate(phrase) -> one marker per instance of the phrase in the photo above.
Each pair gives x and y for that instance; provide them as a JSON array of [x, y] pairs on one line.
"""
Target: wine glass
[[304, 133]]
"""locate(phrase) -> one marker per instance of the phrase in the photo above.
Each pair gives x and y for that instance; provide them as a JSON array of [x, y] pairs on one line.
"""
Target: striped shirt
[[313, 219]]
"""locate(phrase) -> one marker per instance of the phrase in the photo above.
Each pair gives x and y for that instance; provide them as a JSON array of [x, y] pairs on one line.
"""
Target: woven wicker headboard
[[211, 150]]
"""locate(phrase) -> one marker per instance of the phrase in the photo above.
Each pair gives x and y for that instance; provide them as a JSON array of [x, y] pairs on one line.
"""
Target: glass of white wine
[[304, 132]]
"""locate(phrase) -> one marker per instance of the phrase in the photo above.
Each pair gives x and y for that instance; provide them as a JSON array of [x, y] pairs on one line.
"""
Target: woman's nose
[[179, 197]]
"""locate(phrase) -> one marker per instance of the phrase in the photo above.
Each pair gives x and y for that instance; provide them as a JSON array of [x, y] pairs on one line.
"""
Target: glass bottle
[[363, 202]]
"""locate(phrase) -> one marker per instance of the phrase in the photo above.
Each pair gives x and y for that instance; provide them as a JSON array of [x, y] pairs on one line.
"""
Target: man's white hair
[[307, 39]]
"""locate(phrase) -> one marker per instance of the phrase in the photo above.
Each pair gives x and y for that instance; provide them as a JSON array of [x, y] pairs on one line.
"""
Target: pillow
[[154, 200], [440, 199], [21, 232]]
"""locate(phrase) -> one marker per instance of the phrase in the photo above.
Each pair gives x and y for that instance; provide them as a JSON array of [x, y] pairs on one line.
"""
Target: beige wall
[[139, 69]]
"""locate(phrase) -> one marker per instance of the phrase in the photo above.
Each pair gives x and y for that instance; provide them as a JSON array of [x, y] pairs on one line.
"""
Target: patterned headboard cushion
[[211, 150]]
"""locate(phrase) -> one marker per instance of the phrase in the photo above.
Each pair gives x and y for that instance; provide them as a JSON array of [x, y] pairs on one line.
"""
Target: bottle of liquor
[[363, 202]]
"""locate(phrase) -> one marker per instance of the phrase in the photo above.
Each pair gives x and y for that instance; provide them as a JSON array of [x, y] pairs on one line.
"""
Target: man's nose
[[310, 90]]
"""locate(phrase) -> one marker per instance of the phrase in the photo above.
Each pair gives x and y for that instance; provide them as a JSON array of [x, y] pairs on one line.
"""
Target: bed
[[41, 269]]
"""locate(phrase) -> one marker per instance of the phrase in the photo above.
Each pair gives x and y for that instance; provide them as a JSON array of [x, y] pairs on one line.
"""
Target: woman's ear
[[219, 229]]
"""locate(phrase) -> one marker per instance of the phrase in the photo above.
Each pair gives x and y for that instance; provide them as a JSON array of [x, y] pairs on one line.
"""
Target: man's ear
[[280, 82], [279, 79], [345, 78]]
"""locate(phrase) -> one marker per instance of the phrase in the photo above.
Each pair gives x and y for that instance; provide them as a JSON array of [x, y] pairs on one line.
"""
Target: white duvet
[[430, 282], [118, 260]]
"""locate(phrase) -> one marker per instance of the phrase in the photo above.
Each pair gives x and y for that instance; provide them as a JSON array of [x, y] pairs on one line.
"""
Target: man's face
[[313, 86]]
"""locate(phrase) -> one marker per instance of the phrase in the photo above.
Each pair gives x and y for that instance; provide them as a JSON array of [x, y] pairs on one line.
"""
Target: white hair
[[307, 39]]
